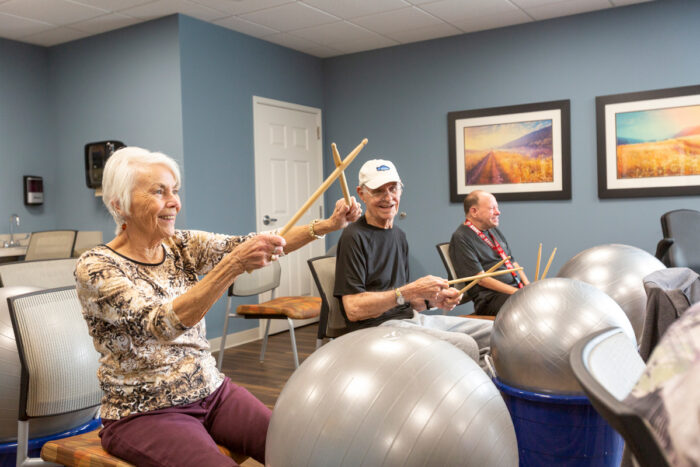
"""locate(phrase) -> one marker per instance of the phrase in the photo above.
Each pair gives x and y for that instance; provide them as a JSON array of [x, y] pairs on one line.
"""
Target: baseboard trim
[[236, 338]]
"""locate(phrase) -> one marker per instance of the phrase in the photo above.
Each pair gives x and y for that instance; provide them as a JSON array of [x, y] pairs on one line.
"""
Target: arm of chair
[[662, 248]]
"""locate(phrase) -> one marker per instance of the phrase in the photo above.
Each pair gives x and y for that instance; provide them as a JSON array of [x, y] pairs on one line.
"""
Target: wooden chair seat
[[85, 450], [486, 317], [283, 307]]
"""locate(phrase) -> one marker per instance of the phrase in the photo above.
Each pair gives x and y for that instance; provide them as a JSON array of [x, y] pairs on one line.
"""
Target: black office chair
[[444, 253], [681, 231], [607, 365], [331, 321]]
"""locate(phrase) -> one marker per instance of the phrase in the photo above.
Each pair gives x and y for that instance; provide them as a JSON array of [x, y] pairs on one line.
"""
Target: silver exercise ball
[[390, 397], [10, 371], [536, 328], [619, 271]]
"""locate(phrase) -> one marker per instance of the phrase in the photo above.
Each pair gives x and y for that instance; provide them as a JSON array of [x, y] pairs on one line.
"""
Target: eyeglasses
[[392, 190]]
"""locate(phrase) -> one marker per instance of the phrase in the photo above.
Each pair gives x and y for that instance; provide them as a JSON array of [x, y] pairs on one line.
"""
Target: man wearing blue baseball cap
[[372, 272]]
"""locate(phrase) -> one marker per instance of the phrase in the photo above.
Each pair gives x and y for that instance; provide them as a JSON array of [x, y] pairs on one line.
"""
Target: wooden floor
[[266, 380]]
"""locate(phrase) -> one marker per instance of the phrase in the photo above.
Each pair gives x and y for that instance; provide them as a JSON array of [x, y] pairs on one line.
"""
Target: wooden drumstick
[[544, 274], [491, 269], [343, 181], [324, 186], [481, 276], [539, 257], [485, 275]]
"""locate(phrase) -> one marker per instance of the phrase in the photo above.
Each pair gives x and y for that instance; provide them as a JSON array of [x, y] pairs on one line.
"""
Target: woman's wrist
[[238, 264], [323, 227]]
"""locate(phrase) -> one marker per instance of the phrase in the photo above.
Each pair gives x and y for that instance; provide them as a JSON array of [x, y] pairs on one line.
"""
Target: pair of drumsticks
[[340, 166], [473, 280]]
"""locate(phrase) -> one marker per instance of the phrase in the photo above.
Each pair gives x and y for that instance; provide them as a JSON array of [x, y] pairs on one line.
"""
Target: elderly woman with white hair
[[165, 402]]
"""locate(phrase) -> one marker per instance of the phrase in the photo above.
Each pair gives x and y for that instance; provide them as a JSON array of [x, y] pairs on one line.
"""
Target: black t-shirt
[[370, 259], [471, 255]]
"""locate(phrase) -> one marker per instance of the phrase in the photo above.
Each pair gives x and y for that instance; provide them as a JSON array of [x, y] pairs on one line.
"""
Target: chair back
[[257, 281], [670, 292], [444, 252], [50, 244], [46, 274], [682, 228], [86, 239], [331, 322], [59, 360], [607, 365]]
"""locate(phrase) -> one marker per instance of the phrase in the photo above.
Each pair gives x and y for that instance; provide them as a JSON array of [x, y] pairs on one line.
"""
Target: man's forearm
[[367, 305], [497, 286]]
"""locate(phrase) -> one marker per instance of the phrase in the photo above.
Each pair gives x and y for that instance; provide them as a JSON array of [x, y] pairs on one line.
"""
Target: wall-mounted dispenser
[[96, 155], [33, 190]]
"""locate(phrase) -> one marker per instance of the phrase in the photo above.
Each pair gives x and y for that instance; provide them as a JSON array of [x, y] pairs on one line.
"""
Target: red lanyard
[[495, 246]]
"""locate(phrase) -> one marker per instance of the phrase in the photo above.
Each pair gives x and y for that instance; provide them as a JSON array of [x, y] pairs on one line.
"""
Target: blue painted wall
[[399, 98], [25, 135], [221, 72], [122, 85]]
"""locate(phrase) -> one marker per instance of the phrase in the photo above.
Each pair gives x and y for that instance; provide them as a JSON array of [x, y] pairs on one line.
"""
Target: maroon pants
[[187, 435]]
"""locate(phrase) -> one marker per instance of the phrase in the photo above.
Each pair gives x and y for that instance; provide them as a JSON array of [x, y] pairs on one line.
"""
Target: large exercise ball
[[10, 371], [390, 397], [536, 328], [619, 271]]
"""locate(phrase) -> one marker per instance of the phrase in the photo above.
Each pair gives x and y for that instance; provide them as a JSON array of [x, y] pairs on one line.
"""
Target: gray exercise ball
[[11, 369], [619, 271], [390, 397], [536, 328]]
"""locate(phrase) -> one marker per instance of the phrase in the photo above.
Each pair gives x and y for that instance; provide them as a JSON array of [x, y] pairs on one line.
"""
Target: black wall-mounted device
[[96, 155], [33, 190]]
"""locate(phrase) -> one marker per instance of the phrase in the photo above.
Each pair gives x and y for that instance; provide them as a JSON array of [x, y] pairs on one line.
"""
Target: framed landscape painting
[[519, 152], [649, 143]]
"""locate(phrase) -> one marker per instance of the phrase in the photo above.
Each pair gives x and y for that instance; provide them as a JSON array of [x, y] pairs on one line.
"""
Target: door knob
[[267, 220]]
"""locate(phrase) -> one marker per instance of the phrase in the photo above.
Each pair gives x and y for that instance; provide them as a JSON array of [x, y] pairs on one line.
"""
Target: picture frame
[[517, 153], [649, 143]]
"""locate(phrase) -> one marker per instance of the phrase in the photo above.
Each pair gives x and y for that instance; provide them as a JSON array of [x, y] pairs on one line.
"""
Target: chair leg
[[264, 344], [222, 348], [294, 342]]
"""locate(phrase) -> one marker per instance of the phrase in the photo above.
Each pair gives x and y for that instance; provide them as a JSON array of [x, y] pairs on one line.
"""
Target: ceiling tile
[[368, 44], [239, 7], [334, 33], [451, 10], [423, 34], [57, 12], [104, 23], [348, 9], [565, 8], [245, 27], [55, 36], [14, 27], [113, 5], [397, 20], [628, 2], [299, 43], [492, 21], [161, 8], [290, 16]]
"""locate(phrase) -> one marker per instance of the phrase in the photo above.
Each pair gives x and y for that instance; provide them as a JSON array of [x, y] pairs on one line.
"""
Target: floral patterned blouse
[[150, 360]]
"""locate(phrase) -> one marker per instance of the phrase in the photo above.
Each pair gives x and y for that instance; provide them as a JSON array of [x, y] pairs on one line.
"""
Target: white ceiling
[[323, 28]]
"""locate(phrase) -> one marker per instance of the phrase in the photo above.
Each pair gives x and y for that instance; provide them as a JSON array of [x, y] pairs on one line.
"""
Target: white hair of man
[[119, 177]]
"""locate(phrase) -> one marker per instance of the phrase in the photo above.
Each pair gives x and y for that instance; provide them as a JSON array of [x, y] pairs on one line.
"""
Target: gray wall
[[25, 135], [399, 98]]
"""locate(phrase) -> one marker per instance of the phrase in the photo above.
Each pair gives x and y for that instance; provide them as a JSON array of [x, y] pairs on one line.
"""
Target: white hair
[[119, 177]]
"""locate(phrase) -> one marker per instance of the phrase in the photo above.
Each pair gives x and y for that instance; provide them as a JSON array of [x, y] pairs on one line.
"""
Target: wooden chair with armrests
[[59, 368], [331, 323], [263, 280], [607, 365]]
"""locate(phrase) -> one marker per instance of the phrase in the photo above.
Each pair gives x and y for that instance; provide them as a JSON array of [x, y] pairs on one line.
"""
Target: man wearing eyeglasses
[[372, 272]]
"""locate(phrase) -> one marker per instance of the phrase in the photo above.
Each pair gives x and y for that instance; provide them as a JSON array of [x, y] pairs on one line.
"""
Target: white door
[[288, 169]]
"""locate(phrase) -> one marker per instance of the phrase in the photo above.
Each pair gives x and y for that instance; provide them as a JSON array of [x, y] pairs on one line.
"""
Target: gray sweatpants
[[473, 336]]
